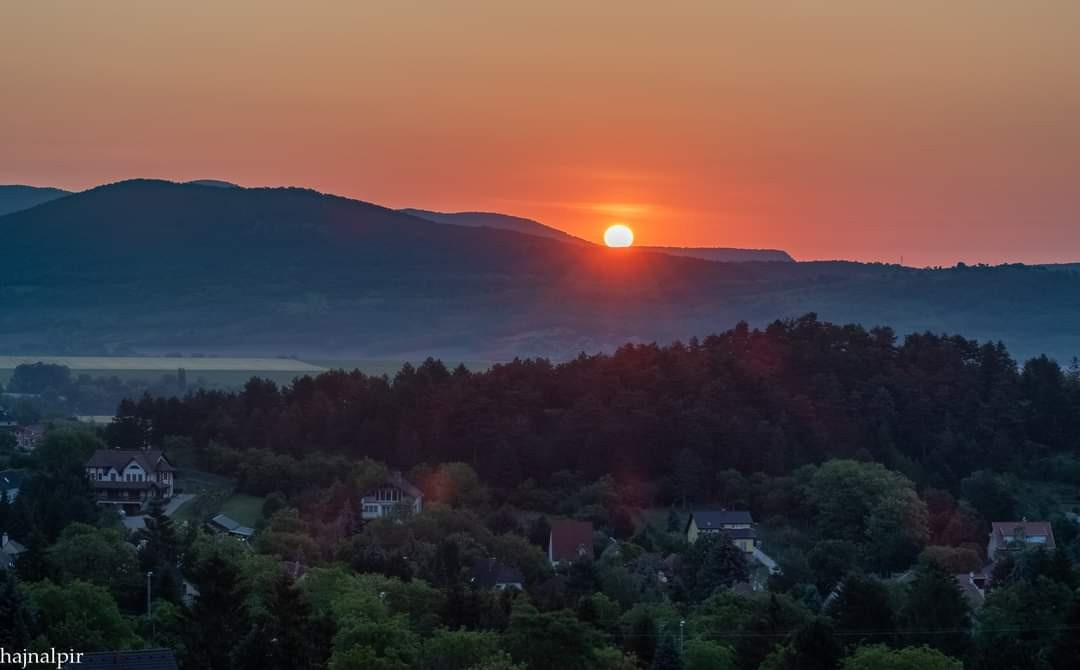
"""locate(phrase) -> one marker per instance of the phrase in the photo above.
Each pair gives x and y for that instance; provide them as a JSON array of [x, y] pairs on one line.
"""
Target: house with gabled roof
[[736, 524], [130, 479], [570, 541], [10, 550], [1014, 535], [393, 495], [493, 575]]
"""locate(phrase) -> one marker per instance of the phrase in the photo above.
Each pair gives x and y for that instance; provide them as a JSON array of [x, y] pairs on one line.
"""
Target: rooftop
[[147, 659], [570, 540], [707, 519], [151, 460]]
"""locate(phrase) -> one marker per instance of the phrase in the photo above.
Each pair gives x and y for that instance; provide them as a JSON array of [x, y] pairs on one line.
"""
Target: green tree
[[34, 564], [15, 618], [667, 655], [706, 655], [79, 615], [218, 618], [712, 563], [99, 556], [880, 657], [550, 639], [936, 612], [458, 649], [863, 609], [500, 662], [66, 450]]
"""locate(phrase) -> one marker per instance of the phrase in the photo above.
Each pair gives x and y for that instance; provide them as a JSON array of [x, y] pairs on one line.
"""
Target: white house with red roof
[[1023, 534], [130, 479]]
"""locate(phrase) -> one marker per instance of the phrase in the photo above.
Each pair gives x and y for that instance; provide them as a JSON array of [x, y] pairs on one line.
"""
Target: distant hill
[[213, 182], [726, 254], [15, 197], [156, 267], [531, 227], [494, 220]]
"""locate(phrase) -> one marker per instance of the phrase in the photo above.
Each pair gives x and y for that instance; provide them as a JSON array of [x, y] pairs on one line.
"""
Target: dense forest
[[872, 468], [802, 391]]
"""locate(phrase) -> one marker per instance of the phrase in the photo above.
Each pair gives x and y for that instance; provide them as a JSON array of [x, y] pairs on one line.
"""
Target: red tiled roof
[[570, 540], [1006, 531]]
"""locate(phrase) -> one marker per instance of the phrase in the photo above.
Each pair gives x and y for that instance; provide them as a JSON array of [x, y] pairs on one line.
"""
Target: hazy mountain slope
[[726, 254], [531, 227], [494, 220], [16, 197], [153, 266]]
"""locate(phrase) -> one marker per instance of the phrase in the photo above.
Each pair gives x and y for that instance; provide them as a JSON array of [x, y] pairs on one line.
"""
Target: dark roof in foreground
[[708, 519], [146, 659], [486, 574]]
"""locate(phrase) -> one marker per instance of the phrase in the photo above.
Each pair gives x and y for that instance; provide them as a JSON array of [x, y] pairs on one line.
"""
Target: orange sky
[[834, 129]]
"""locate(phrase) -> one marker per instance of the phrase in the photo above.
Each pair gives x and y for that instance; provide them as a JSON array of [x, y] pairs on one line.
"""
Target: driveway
[[139, 522]]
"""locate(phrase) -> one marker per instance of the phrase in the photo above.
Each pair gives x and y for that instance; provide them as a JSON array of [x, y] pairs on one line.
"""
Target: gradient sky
[[834, 129]]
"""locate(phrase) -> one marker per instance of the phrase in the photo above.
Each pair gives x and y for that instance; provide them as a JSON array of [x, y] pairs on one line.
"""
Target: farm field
[[212, 370]]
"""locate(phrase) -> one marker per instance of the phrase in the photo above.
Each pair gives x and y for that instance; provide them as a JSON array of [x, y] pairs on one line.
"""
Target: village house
[[27, 437], [493, 575], [570, 541], [736, 524], [9, 552], [1016, 535], [222, 524], [394, 494], [130, 479]]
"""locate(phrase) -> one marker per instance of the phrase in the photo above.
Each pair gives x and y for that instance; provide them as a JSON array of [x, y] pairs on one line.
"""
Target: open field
[[213, 370], [243, 508]]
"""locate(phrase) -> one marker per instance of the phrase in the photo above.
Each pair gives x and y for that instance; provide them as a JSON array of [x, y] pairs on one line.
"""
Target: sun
[[618, 236]]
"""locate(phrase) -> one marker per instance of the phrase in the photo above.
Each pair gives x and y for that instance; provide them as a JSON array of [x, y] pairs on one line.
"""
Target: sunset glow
[[618, 236], [865, 131]]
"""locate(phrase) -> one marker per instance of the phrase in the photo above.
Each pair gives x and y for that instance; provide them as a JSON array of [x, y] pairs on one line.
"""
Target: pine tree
[[218, 618], [667, 655], [15, 621], [935, 603], [34, 564], [723, 565]]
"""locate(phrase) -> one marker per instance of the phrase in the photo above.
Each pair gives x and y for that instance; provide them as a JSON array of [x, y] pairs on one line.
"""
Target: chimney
[[4, 540]]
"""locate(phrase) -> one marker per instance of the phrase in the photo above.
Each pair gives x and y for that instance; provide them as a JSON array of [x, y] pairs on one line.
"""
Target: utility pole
[[149, 574], [682, 645]]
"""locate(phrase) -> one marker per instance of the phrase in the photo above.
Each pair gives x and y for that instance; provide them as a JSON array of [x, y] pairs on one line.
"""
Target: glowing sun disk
[[618, 236]]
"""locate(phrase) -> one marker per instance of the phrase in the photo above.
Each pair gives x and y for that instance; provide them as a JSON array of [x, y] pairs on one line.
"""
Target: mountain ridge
[[153, 266]]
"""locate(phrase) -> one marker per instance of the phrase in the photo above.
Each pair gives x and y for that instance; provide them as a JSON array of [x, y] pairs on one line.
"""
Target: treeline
[[49, 389], [797, 392]]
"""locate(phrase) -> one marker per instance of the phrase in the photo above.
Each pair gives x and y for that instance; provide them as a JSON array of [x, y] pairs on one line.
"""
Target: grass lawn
[[243, 508], [215, 494]]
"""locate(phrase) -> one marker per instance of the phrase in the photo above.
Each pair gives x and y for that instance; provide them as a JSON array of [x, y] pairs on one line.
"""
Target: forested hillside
[[796, 392]]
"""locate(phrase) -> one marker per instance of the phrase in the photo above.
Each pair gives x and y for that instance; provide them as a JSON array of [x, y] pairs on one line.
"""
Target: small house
[[738, 525], [570, 541], [393, 494], [1014, 535], [224, 525], [10, 550], [494, 575]]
